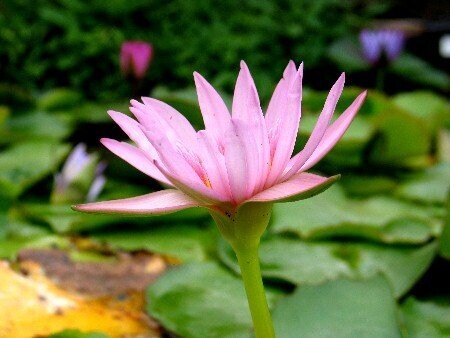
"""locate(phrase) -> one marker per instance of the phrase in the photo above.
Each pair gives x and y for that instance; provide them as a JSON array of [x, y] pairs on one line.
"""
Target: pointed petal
[[133, 130], [175, 167], [214, 111], [173, 119], [283, 138], [157, 203], [299, 186], [152, 117], [246, 106], [214, 164], [236, 162], [319, 130], [335, 132], [136, 157]]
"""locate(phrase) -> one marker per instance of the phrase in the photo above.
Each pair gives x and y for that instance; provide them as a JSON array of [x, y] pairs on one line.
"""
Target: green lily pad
[[187, 242], [429, 319], [294, 261], [428, 186], [34, 126], [200, 300], [340, 308], [430, 107], [415, 69], [25, 164], [332, 214], [312, 263], [58, 99]]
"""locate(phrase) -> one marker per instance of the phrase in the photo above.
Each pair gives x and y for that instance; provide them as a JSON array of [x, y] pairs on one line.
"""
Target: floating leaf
[[426, 318], [311, 263], [25, 164], [187, 242], [34, 126], [428, 186], [200, 300], [59, 99], [430, 107], [77, 334], [340, 308], [332, 214], [415, 69]]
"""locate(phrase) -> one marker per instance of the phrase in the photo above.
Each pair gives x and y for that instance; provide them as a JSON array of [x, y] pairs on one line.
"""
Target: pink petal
[[284, 128], [173, 118], [335, 132], [246, 106], [136, 157], [236, 162], [157, 203], [247, 109], [132, 129], [170, 122], [300, 186], [214, 111], [319, 130], [176, 167], [214, 164]]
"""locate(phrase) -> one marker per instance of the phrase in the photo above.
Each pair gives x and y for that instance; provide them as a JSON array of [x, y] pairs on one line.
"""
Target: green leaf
[[35, 126], [430, 107], [59, 99], [340, 308], [346, 54], [200, 300], [332, 214], [25, 164], [429, 319], [311, 263], [10, 246], [415, 69], [445, 237], [78, 334], [294, 261], [187, 242], [428, 186]]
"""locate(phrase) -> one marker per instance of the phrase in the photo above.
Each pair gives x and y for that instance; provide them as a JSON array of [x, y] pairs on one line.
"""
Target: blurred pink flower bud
[[135, 57]]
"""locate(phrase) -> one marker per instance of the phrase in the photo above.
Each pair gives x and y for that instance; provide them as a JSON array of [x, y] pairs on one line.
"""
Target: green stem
[[248, 260]]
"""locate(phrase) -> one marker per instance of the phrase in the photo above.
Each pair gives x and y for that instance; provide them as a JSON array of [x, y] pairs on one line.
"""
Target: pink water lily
[[236, 167], [239, 158]]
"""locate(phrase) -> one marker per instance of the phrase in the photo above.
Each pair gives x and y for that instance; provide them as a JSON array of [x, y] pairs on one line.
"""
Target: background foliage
[[55, 43]]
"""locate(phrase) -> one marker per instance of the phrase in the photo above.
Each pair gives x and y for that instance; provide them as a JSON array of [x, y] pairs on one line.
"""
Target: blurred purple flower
[[76, 178], [135, 57], [376, 42]]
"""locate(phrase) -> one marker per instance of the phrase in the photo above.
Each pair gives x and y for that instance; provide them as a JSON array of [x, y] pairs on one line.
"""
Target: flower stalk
[[248, 259]]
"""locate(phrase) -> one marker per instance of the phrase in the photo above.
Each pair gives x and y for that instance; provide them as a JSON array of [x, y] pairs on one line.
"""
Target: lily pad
[[312, 263], [25, 164], [186, 242], [200, 300], [428, 186], [33, 126], [429, 319], [340, 308], [332, 214]]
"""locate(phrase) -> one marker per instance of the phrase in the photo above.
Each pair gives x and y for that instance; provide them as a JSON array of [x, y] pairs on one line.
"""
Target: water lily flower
[[135, 57], [81, 178], [237, 167], [375, 43]]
